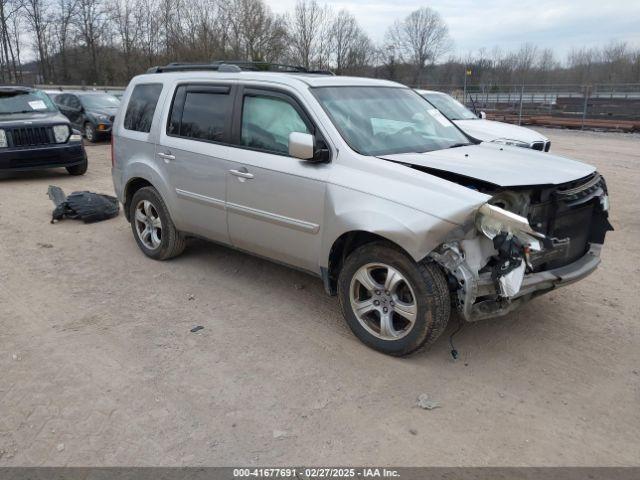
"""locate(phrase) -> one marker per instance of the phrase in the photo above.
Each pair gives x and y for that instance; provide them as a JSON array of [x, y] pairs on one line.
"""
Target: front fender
[[417, 232]]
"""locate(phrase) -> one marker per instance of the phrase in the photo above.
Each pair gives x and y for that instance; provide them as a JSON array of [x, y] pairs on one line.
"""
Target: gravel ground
[[99, 367]]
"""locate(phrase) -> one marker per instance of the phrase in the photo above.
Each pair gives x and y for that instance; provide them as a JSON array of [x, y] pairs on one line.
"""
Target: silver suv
[[360, 182]]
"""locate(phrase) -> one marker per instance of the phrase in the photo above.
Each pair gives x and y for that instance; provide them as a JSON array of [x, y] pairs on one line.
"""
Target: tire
[[166, 243], [423, 283], [80, 169], [90, 132]]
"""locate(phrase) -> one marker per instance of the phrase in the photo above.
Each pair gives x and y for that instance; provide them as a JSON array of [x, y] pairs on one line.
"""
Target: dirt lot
[[98, 366]]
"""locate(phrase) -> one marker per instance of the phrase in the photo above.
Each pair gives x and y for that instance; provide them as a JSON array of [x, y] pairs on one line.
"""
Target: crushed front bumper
[[479, 299]]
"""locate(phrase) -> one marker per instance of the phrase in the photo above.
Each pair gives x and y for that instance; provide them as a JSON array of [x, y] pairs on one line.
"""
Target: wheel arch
[[342, 247], [130, 189], [141, 173]]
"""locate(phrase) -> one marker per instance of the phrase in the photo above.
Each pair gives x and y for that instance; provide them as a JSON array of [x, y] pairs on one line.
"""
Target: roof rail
[[236, 66], [182, 67]]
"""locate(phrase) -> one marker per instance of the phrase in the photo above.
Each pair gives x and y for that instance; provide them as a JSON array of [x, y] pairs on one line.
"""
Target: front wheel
[[390, 302], [79, 169]]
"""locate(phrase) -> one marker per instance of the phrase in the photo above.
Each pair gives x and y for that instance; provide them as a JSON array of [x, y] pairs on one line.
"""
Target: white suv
[[358, 181]]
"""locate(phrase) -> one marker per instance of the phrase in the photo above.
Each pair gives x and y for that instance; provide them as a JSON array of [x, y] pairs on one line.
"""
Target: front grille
[[30, 136], [574, 224], [538, 146], [568, 214]]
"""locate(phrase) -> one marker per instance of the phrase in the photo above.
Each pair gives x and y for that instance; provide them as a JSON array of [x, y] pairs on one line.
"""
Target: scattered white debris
[[426, 403], [60, 447], [278, 434]]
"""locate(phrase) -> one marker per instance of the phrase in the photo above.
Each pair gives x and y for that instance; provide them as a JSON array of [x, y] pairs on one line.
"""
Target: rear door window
[[73, 102], [201, 112], [142, 107]]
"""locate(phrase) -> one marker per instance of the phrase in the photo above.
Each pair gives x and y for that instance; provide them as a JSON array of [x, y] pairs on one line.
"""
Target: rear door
[[74, 111], [194, 146], [275, 202], [62, 101]]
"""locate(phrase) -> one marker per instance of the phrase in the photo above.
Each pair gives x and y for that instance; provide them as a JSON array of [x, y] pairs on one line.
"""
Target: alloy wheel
[[148, 224], [383, 301], [89, 132]]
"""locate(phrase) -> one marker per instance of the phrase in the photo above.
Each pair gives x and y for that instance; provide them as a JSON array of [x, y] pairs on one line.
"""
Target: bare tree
[[254, 32], [128, 32], [307, 27], [421, 37], [90, 21], [9, 41], [345, 33], [64, 13], [38, 19]]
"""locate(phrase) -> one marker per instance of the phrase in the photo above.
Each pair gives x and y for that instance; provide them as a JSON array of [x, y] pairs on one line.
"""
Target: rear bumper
[[38, 158]]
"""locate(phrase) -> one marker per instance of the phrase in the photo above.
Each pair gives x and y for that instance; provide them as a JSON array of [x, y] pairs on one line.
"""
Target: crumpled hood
[[500, 165], [32, 119], [488, 130]]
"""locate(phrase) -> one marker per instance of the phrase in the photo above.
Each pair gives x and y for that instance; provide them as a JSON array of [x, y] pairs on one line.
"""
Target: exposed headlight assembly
[[3, 139], [61, 133], [492, 220], [513, 143]]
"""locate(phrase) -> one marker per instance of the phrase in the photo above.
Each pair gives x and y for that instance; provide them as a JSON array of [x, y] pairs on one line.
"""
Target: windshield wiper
[[24, 111], [456, 145]]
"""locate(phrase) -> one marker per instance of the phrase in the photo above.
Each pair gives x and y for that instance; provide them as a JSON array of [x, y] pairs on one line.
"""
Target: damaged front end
[[525, 242]]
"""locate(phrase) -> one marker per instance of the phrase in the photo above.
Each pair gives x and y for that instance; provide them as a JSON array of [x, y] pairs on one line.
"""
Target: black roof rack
[[236, 66]]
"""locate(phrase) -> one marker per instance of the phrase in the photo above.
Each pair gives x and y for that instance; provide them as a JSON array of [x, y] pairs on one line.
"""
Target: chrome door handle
[[166, 156], [240, 174]]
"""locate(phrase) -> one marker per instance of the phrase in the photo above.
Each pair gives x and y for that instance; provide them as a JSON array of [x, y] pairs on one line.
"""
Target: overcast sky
[[559, 24]]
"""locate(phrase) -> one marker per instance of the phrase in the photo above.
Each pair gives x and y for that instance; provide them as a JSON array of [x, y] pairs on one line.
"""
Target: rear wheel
[[390, 302], [152, 226], [90, 132]]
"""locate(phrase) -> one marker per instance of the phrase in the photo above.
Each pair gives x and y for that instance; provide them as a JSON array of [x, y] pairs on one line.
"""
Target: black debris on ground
[[86, 206]]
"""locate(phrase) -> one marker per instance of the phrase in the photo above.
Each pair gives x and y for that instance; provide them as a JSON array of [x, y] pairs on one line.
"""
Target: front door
[[275, 203], [193, 150]]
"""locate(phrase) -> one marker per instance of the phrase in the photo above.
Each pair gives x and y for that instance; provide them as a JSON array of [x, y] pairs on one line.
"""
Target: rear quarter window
[[201, 112], [142, 106]]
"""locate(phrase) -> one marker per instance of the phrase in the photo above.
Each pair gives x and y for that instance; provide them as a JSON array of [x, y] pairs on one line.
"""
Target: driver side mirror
[[302, 146], [483, 115]]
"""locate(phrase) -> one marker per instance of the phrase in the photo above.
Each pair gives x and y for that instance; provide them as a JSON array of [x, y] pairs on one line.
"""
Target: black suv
[[89, 112], [34, 134]]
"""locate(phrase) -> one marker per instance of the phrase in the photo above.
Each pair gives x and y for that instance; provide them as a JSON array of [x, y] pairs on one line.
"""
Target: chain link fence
[[598, 106], [595, 107]]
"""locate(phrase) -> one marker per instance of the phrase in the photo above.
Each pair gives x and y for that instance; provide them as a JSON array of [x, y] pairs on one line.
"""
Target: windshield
[[25, 101], [99, 101], [452, 108], [387, 120]]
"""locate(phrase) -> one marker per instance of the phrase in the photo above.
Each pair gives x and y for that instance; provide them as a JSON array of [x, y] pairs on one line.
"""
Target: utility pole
[[587, 89], [467, 73]]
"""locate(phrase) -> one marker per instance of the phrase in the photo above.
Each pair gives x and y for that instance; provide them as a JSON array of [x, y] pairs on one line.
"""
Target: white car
[[482, 129]]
